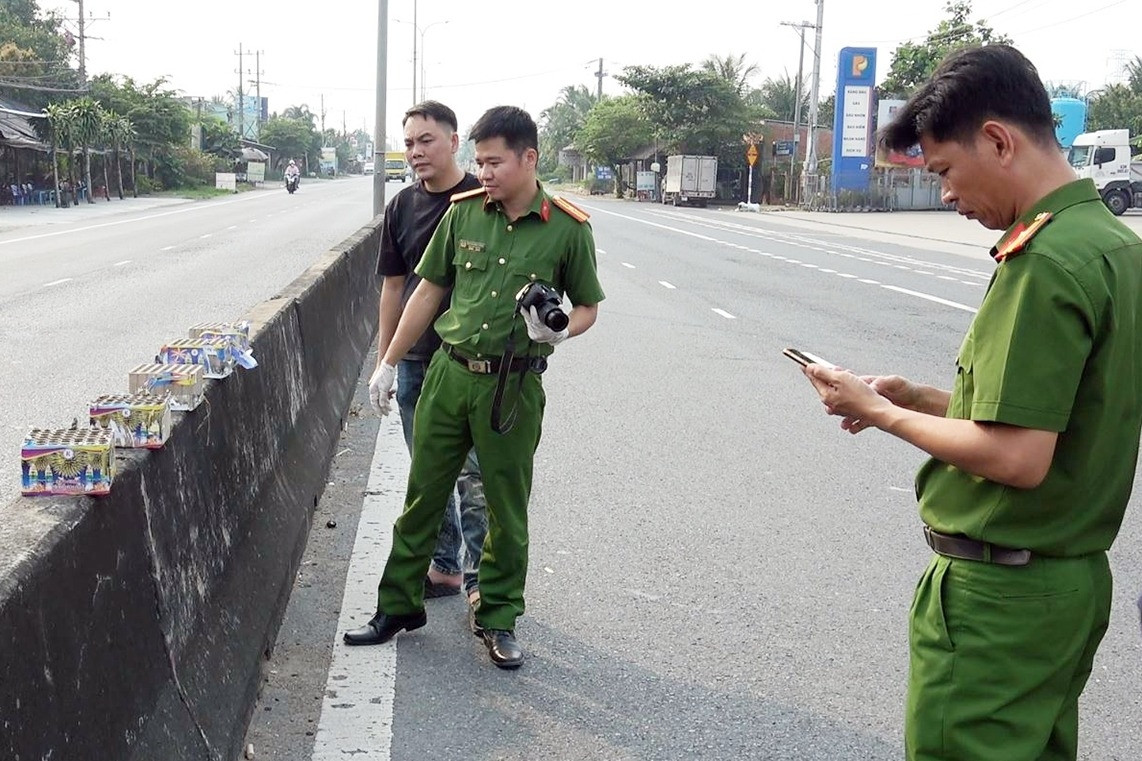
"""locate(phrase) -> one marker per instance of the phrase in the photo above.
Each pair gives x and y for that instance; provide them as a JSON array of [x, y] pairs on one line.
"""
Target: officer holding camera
[[509, 251]]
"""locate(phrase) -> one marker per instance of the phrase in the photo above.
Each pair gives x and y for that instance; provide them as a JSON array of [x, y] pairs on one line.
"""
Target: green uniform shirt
[[1056, 346], [487, 259]]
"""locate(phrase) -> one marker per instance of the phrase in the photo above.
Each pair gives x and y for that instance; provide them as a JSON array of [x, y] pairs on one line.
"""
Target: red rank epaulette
[[1019, 237], [468, 194], [570, 209]]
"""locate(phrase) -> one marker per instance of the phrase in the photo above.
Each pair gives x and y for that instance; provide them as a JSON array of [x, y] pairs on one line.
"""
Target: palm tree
[[780, 95], [88, 125], [60, 119], [562, 121], [121, 132], [733, 69]]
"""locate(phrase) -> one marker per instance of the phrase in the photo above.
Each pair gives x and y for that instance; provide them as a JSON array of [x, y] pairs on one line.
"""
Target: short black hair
[[514, 125], [968, 88], [434, 110]]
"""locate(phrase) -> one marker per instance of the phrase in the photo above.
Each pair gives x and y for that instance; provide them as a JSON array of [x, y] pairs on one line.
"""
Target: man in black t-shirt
[[431, 142]]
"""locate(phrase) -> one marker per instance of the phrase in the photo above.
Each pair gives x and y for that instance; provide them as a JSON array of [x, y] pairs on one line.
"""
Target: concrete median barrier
[[132, 626]]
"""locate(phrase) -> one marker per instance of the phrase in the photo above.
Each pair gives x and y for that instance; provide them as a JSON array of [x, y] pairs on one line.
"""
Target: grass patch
[[195, 193]]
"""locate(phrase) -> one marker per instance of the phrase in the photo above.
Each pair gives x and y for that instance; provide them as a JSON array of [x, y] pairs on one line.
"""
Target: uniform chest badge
[[471, 245]]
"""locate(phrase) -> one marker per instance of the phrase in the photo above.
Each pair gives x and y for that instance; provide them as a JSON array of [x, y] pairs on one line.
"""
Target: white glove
[[381, 387], [539, 332]]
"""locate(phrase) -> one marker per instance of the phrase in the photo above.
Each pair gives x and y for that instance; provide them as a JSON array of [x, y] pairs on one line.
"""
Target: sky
[[478, 55]]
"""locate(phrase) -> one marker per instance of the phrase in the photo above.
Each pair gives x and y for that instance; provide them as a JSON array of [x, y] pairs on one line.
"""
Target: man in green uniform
[[491, 246], [1033, 451]]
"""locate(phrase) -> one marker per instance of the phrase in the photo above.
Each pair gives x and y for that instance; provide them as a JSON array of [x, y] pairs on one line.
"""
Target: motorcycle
[[292, 181]]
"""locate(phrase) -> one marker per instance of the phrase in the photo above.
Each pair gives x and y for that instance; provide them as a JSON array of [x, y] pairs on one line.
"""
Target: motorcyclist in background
[[292, 175]]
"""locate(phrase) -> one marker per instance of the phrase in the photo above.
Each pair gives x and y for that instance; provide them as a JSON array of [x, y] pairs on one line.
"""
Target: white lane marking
[[665, 284], [809, 266], [232, 227], [628, 265], [845, 274], [196, 207], [357, 710], [793, 261], [166, 248], [207, 235], [946, 277], [253, 220], [600, 251], [57, 282], [120, 264], [831, 272], [930, 297], [724, 313], [869, 282]]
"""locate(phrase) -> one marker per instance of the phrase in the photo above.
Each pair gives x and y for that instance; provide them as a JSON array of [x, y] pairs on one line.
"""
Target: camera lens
[[556, 319]]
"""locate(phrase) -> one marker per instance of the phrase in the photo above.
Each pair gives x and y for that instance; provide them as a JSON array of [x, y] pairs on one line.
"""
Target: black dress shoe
[[384, 627], [503, 648]]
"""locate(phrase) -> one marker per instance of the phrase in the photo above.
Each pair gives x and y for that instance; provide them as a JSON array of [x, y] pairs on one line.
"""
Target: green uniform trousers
[[454, 415], [1000, 655]]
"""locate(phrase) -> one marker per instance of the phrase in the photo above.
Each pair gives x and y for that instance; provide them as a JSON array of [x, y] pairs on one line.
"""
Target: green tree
[[1116, 107], [559, 123], [613, 130], [826, 111], [33, 55], [733, 69], [161, 121], [292, 138], [59, 127], [121, 133], [88, 130], [218, 139], [695, 110], [779, 95], [914, 62]]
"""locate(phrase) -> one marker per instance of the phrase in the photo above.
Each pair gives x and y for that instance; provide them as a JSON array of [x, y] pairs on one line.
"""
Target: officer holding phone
[[1034, 450]]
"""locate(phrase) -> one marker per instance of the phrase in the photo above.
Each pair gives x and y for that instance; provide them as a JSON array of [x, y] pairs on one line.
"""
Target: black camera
[[547, 302]]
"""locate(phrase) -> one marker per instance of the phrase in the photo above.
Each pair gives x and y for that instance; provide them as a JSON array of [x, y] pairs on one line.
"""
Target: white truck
[[690, 180], [1104, 156]]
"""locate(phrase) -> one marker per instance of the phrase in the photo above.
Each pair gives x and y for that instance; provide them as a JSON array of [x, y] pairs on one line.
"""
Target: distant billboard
[[852, 122], [913, 158]]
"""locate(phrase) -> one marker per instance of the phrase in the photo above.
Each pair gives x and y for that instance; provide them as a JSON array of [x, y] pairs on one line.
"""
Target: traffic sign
[[751, 154]]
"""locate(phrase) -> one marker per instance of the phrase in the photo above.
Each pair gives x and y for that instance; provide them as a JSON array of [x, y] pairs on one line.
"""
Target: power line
[[1073, 18]]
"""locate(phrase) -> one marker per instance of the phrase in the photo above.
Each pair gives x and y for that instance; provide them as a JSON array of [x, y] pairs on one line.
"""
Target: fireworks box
[[237, 333], [183, 383], [67, 461], [134, 420], [214, 355]]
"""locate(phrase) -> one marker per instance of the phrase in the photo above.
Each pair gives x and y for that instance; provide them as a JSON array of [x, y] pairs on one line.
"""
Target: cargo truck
[[395, 166], [1104, 156], [690, 180]]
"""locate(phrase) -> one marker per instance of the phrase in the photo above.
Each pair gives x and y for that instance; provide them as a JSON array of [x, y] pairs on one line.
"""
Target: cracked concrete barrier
[[133, 626]]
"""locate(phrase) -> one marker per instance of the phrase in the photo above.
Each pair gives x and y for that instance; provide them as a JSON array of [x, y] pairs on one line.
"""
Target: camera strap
[[499, 424]]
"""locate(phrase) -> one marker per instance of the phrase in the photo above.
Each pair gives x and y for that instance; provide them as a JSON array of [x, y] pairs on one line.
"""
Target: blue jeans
[[469, 525]]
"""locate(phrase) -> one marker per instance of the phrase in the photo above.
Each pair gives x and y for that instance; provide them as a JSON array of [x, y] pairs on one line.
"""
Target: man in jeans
[[431, 141]]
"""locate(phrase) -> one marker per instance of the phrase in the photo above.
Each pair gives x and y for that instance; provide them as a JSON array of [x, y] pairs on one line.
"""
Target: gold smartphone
[[804, 358]]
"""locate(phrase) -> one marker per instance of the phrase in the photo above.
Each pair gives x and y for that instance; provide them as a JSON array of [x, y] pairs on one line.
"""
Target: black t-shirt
[[410, 219]]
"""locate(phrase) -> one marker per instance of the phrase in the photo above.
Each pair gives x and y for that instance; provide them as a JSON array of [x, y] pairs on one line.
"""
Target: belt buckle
[[481, 366]]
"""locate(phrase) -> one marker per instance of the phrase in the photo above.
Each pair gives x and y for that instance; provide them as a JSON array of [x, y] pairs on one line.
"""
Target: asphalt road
[[717, 571], [87, 294]]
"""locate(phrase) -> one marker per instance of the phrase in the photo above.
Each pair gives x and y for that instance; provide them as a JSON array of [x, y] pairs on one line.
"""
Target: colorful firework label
[[71, 461], [134, 420], [184, 384]]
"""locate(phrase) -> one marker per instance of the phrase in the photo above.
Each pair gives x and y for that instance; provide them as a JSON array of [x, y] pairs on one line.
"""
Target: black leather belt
[[966, 548], [485, 366]]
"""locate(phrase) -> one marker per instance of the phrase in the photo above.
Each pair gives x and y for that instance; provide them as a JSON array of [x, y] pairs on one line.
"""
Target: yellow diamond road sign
[[751, 154]]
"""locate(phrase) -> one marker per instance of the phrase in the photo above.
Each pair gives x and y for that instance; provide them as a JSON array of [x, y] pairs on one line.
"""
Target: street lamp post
[[417, 31], [423, 86]]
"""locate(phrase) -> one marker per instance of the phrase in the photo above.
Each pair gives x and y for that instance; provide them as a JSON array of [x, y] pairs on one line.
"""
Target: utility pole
[[796, 104], [811, 155], [600, 74], [241, 99], [82, 49], [258, 85], [323, 120], [379, 113], [414, 33]]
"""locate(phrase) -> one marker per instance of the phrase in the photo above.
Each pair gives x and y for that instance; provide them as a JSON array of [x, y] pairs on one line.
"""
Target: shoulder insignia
[[570, 209], [467, 194], [1020, 236]]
